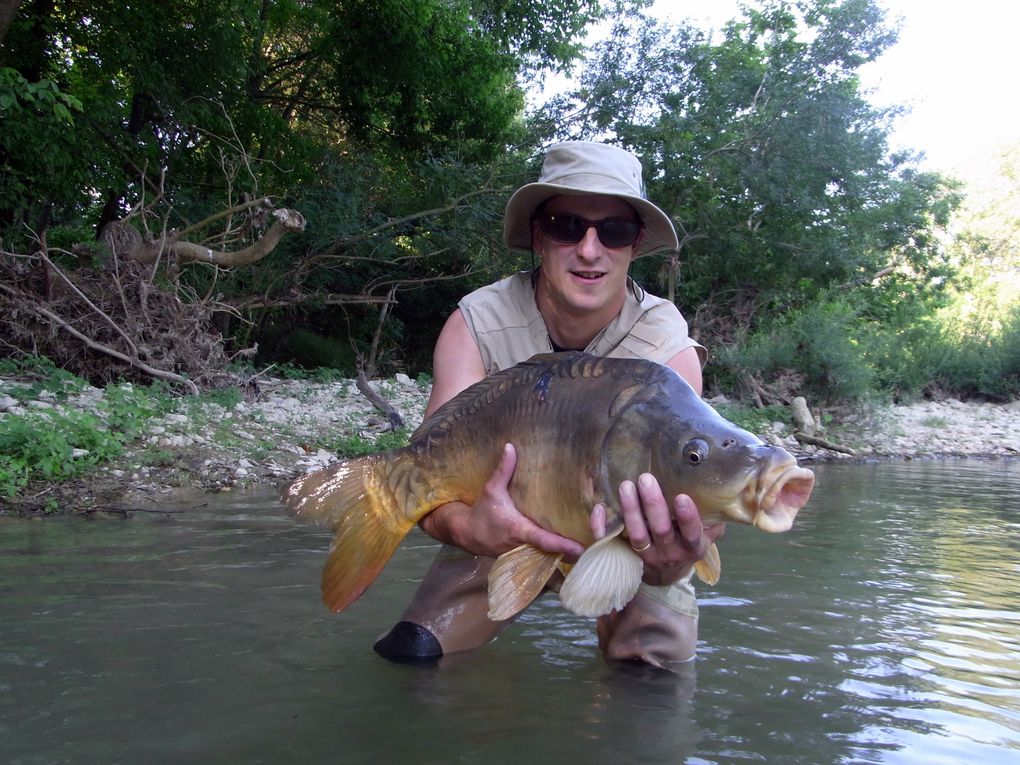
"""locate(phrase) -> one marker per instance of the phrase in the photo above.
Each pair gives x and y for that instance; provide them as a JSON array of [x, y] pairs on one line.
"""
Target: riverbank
[[287, 427]]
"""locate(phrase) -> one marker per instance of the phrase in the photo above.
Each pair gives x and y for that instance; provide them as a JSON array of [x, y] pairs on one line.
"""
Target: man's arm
[[493, 525]]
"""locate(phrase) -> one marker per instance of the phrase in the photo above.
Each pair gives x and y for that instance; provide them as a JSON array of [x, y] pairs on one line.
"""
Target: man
[[586, 219]]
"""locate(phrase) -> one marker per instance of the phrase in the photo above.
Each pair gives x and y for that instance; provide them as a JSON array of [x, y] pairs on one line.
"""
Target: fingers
[[670, 537], [646, 514], [656, 509], [633, 518], [504, 471], [689, 528], [598, 521], [552, 542], [715, 531], [503, 526]]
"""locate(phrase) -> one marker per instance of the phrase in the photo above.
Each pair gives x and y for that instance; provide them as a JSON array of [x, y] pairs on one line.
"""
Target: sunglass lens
[[571, 229], [566, 228], [618, 233]]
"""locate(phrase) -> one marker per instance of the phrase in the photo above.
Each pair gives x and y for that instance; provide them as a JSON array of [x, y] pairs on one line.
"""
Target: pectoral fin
[[605, 578], [709, 567], [517, 578]]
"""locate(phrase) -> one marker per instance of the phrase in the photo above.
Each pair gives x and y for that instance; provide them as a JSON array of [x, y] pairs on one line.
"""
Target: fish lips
[[780, 496]]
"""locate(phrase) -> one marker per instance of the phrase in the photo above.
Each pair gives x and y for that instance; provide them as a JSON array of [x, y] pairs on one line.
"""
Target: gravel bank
[[280, 433]]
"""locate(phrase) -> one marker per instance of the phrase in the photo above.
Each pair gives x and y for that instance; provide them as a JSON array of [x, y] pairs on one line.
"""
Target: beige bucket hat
[[577, 168]]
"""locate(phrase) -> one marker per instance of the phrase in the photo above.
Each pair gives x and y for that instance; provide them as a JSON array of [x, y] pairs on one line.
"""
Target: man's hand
[[494, 525], [669, 540]]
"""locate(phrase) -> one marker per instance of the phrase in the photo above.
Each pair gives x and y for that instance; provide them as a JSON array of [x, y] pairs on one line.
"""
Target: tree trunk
[[8, 10]]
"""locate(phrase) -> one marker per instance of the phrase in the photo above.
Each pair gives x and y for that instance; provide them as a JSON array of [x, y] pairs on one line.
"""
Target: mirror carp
[[581, 425]]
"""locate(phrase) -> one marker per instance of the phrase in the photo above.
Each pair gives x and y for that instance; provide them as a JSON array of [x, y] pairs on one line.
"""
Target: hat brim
[[659, 231]]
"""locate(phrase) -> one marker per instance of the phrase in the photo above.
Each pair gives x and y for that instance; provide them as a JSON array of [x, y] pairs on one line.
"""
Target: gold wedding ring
[[642, 549]]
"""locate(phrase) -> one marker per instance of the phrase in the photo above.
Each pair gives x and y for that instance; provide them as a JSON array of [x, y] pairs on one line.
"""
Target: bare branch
[[123, 239], [261, 201], [102, 314]]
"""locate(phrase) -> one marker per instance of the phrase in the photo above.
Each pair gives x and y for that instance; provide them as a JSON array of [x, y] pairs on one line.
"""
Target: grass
[[358, 446], [756, 420], [64, 442]]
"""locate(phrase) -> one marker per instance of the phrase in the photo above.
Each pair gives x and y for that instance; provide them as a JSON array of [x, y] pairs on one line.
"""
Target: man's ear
[[536, 232], [637, 243]]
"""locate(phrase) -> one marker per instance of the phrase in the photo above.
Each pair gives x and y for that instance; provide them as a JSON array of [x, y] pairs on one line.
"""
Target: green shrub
[[974, 356], [128, 408], [228, 398], [358, 446], [310, 350], [819, 341], [41, 447], [756, 419]]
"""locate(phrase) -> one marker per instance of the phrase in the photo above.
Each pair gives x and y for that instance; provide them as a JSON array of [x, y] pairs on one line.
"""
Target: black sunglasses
[[570, 229]]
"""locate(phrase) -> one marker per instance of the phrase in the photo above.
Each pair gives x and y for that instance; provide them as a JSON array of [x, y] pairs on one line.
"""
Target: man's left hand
[[669, 539]]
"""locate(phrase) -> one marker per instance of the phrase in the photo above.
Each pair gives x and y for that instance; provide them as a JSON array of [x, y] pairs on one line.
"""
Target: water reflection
[[883, 628]]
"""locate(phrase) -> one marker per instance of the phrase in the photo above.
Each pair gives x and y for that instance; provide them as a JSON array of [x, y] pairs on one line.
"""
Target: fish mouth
[[782, 493]]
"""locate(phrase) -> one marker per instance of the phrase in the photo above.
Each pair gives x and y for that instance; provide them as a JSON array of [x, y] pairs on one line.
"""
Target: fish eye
[[695, 451]]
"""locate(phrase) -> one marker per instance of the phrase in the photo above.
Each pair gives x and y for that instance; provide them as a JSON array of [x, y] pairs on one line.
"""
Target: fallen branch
[[123, 239], [384, 406], [804, 438], [298, 298]]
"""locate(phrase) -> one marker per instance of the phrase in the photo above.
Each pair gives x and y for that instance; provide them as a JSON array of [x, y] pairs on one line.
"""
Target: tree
[[173, 86], [8, 9], [369, 117], [770, 160]]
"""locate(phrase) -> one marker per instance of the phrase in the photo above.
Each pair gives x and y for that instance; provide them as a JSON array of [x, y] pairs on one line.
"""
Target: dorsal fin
[[569, 364]]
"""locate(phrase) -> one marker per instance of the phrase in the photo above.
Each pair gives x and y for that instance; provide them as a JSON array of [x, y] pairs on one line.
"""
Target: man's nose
[[590, 245]]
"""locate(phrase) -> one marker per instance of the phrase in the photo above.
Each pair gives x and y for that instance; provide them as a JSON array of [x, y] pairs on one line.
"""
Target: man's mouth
[[591, 275]]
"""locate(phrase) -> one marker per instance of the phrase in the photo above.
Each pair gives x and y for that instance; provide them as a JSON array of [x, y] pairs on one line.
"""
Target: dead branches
[[124, 239], [108, 324]]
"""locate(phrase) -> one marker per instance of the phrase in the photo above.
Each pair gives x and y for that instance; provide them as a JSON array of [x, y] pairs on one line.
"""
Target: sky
[[956, 66]]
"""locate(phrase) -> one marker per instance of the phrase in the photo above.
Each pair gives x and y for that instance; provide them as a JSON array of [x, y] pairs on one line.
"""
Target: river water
[[884, 628]]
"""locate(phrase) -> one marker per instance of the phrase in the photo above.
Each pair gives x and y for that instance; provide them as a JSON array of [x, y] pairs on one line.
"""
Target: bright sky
[[956, 66]]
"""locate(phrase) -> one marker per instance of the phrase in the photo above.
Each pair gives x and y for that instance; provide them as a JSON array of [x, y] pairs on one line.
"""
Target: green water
[[884, 628]]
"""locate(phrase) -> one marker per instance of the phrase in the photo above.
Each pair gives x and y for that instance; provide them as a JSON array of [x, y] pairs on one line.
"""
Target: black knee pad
[[409, 643]]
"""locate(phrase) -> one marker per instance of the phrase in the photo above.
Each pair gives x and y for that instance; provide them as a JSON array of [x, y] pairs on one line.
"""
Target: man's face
[[586, 275]]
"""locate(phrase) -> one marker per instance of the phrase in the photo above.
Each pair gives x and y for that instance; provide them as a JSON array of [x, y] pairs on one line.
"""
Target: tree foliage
[[377, 117], [184, 87], [772, 163], [397, 129]]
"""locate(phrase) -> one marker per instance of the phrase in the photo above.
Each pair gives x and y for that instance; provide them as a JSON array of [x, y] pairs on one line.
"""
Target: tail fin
[[357, 499]]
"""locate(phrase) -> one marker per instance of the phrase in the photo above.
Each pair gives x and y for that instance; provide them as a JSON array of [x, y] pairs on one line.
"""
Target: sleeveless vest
[[503, 318]]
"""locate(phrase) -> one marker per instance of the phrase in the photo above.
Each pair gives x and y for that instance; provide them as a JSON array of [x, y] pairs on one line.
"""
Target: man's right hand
[[494, 525]]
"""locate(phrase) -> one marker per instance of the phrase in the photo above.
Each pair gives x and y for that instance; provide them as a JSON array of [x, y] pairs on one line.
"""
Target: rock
[[403, 379], [803, 422], [278, 435]]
